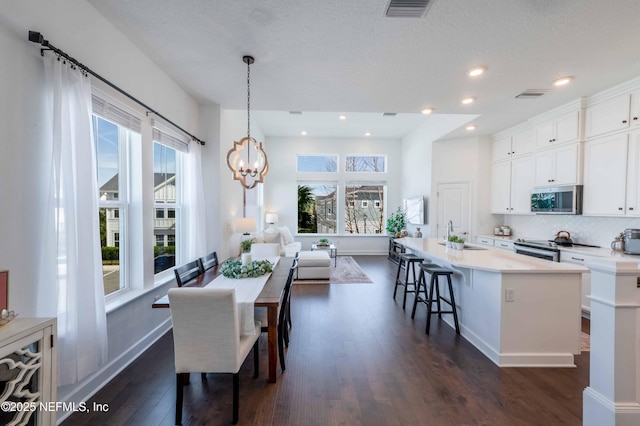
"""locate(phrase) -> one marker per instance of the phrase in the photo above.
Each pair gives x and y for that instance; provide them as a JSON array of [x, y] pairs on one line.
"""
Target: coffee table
[[332, 249]]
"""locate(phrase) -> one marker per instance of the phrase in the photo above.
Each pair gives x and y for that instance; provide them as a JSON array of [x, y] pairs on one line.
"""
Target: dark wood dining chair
[[188, 271], [209, 261], [282, 326]]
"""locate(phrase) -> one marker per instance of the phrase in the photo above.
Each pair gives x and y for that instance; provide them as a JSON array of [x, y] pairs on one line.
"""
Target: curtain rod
[[36, 37]]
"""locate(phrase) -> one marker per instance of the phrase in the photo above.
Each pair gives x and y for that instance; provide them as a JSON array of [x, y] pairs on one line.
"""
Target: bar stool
[[435, 271], [409, 261]]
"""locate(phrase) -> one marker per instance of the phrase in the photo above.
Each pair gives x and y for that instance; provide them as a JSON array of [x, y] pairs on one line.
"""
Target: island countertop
[[486, 258]]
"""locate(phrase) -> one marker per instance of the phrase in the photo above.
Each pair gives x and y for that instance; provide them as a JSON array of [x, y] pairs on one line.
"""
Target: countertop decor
[[234, 269]]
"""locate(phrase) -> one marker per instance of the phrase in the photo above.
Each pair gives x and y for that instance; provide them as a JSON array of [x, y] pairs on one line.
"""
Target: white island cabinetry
[[518, 310]]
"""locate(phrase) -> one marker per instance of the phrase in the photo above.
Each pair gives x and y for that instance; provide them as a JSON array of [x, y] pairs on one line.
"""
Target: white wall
[[280, 192], [465, 160], [77, 28]]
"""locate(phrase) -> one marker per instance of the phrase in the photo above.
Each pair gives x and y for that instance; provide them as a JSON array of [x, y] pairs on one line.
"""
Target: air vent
[[295, 112], [407, 8], [389, 114], [532, 93]]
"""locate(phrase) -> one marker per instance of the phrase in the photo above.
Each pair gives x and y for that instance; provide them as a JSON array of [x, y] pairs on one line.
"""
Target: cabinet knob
[[635, 118], [630, 208], [624, 121], [620, 208]]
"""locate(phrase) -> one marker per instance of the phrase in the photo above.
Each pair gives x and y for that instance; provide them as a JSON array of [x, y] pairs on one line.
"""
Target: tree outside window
[[363, 208], [317, 208]]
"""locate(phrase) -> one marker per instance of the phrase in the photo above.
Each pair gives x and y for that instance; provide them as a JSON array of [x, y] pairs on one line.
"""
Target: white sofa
[[281, 235]]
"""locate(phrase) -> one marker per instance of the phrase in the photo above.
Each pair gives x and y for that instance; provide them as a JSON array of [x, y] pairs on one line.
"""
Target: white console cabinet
[[27, 371]]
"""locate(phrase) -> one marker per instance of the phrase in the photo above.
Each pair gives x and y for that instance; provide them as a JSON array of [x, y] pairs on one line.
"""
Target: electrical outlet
[[509, 295]]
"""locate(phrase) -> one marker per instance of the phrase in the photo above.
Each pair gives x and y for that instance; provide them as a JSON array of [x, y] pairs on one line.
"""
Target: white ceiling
[[345, 56]]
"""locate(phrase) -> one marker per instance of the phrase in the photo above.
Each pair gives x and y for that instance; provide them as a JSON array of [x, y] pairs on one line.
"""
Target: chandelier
[[248, 174]]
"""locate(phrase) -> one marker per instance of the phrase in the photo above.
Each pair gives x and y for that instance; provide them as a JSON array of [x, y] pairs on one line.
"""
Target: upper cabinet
[[612, 170], [564, 128], [558, 166], [618, 113], [514, 145]]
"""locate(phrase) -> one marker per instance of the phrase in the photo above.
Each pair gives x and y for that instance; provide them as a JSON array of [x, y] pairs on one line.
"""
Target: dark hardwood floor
[[355, 358]]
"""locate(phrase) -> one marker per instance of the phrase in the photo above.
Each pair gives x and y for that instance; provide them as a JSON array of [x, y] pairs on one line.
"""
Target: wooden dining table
[[270, 297]]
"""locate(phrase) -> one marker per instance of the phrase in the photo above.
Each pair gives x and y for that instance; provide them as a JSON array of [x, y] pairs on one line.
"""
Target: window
[[365, 164], [111, 145], [369, 217], [166, 203], [317, 208], [317, 163]]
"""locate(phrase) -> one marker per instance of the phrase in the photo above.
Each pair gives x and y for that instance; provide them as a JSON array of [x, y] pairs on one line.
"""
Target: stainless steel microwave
[[565, 199]]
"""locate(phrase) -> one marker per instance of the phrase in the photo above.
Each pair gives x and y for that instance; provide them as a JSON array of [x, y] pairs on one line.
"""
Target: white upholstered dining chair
[[206, 338]]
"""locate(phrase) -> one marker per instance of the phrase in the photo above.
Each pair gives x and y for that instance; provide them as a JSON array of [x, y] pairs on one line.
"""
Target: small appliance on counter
[[618, 243], [632, 241]]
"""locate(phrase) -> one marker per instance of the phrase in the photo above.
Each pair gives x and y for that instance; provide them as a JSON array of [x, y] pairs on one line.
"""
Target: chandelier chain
[[248, 98]]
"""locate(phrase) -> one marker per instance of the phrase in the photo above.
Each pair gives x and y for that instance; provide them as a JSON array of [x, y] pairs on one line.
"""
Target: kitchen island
[[518, 310]]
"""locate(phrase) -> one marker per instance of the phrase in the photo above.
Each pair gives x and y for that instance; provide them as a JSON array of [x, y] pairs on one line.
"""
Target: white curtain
[[195, 222], [70, 286]]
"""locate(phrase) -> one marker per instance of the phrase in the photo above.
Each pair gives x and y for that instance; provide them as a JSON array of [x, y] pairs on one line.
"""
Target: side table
[[332, 249]]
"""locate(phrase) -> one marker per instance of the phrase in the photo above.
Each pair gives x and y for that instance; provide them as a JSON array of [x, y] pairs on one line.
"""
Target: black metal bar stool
[[435, 271], [409, 261]]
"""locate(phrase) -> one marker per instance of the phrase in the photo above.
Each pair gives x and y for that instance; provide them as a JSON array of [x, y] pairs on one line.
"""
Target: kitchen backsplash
[[584, 229]]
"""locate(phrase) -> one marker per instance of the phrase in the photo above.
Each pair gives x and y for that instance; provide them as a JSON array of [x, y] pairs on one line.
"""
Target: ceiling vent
[[531, 93], [295, 112], [389, 114], [407, 8]]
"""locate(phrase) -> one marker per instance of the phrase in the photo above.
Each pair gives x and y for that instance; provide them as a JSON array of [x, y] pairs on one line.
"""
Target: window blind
[[103, 108], [170, 141]]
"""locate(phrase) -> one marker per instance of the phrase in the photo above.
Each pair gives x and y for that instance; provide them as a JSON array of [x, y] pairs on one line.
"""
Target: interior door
[[453, 205]]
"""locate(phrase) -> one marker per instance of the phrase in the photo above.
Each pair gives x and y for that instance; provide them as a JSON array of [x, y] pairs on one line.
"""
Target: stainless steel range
[[541, 249]]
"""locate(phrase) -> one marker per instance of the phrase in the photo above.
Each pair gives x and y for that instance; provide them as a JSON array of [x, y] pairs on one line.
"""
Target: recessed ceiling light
[[427, 111], [367, 134], [476, 71], [469, 100], [471, 127], [342, 117], [562, 81], [303, 133]]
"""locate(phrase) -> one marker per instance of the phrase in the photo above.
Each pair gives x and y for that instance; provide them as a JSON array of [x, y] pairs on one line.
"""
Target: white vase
[[246, 259]]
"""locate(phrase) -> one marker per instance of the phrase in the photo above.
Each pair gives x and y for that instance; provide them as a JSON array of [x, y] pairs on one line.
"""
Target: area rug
[[347, 271], [585, 342]]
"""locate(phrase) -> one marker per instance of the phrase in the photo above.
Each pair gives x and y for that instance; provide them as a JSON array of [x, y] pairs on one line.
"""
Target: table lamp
[[245, 225], [271, 218]]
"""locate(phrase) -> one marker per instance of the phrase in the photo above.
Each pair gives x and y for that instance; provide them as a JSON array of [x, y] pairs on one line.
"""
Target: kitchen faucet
[[449, 229]]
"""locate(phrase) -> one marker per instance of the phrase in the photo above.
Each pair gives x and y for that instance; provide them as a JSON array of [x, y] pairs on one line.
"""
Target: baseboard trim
[[101, 378]]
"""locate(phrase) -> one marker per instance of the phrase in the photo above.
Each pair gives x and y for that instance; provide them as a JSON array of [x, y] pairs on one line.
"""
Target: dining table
[[269, 296]]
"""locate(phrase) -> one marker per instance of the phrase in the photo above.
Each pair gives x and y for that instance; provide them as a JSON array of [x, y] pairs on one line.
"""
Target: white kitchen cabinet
[[503, 244], [611, 173], [558, 166], [28, 355], [581, 259], [562, 129], [484, 241], [618, 113], [515, 145], [511, 183]]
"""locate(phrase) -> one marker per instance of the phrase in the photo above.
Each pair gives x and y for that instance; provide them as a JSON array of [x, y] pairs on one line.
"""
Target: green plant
[[456, 239], [323, 240], [245, 245], [234, 269], [397, 221]]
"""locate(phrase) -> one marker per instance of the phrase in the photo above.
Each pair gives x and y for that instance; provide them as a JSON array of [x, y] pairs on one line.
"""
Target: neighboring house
[[164, 224]]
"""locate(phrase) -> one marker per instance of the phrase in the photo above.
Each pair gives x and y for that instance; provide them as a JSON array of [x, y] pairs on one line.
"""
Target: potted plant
[[323, 242], [456, 242], [396, 222], [245, 245]]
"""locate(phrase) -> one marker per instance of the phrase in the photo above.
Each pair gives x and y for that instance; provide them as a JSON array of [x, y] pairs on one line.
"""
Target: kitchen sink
[[467, 246]]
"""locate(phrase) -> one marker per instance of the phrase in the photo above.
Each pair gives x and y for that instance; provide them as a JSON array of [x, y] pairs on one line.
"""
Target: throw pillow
[[272, 237], [287, 237]]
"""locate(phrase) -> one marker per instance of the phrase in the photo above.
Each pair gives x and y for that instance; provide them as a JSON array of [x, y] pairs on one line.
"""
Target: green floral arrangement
[[234, 269], [456, 239], [396, 222]]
